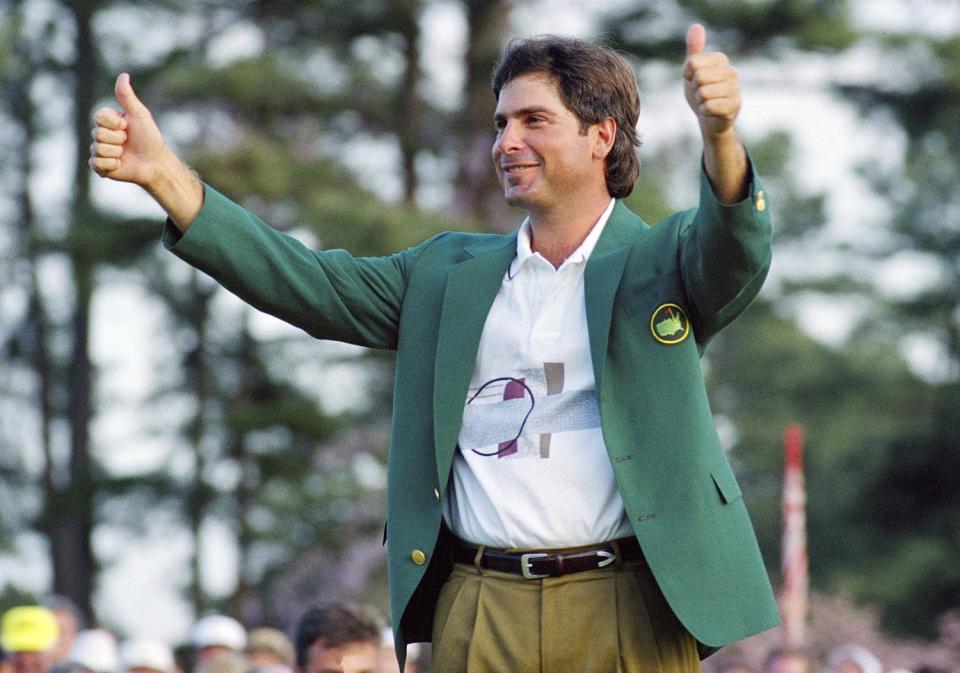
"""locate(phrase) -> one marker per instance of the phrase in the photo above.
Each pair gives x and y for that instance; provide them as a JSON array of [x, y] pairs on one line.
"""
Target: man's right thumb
[[125, 95]]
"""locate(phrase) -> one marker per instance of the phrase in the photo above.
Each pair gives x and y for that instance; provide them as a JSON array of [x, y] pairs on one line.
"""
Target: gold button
[[437, 494], [761, 201], [418, 557]]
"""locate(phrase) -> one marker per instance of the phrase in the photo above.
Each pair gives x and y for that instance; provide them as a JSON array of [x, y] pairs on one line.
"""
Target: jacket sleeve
[[329, 294], [725, 253]]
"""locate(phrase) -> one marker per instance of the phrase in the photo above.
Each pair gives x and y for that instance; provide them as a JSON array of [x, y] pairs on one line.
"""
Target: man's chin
[[519, 199], [515, 201]]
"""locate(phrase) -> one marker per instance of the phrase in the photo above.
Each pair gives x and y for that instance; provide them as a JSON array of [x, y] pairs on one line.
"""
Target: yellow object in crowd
[[29, 628]]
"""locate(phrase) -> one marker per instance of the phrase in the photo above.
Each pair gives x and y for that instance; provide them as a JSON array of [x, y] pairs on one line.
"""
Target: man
[[338, 638], [558, 498], [93, 651], [29, 633], [147, 656], [214, 636], [69, 620], [787, 660], [853, 659], [388, 659], [269, 651]]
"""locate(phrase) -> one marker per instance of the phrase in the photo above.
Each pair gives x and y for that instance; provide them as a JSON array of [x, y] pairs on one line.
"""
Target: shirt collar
[[580, 255]]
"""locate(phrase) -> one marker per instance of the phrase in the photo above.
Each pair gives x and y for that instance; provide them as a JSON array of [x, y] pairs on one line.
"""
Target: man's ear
[[606, 130]]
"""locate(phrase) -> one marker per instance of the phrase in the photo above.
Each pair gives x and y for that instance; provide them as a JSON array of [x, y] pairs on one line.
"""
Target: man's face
[[356, 657], [209, 652], [67, 624], [263, 658], [788, 663], [541, 157], [849, 667], [29, 662]]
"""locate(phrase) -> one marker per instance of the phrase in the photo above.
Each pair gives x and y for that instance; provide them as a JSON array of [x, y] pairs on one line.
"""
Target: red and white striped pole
[[793, 596]]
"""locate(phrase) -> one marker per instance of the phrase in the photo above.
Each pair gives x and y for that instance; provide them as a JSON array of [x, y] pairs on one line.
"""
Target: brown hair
[[594, 83], [335, 624]]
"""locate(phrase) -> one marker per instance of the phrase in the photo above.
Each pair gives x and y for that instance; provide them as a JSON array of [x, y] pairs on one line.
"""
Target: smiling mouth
[[516, 168]]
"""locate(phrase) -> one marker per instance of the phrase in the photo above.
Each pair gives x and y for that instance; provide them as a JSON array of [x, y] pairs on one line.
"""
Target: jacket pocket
[[726, 482]]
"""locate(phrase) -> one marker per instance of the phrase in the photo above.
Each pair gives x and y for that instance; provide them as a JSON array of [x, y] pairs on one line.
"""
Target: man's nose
[[509, 139]]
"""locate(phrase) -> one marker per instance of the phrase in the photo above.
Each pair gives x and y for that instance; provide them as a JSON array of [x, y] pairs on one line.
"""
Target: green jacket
[[430, 302]]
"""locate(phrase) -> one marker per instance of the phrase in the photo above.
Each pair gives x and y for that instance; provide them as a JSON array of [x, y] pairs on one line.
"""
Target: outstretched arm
[[713, 92], [127, 146]]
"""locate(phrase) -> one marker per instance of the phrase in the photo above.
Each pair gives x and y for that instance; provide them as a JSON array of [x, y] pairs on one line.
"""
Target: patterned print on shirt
[[516, 416]]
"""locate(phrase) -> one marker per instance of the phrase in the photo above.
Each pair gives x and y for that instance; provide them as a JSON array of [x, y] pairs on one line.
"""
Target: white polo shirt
[[531, 470]]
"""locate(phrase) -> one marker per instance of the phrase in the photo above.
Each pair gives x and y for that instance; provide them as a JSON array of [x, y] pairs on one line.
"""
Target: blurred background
[[166, 451]]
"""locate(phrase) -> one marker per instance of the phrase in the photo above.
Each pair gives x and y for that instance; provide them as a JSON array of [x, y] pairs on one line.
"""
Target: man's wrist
[[177, 188], [725, 161]]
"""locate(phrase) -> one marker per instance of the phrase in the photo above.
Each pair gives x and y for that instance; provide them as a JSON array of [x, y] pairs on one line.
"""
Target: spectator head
[[338, 638], [388, 655], [734, 666], [94, 650], [223, 661], [267, 647], [28, 634], [146, 656], [787, 660], [69, 619], [215, 634], [853, 659]]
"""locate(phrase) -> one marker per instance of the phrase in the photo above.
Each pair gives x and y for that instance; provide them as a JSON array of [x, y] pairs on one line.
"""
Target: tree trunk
[[477, 193], [245, 603], [36, 343], [36, 330], [199, 496], [71, 509], [411, 109]]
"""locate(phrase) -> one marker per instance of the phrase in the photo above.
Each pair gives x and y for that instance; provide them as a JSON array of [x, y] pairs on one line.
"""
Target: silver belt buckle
[[525, 565], [608, 558]]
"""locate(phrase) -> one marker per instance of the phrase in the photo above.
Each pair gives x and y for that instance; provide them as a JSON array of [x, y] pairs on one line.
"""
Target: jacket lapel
[[471, 288], [602, 278]]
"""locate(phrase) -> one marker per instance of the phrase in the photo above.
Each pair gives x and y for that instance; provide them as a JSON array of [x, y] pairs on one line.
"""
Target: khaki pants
[[609, 620]]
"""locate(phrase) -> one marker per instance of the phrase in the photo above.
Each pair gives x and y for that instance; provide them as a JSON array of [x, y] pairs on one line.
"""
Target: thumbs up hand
[[711, 85], [127, 144]]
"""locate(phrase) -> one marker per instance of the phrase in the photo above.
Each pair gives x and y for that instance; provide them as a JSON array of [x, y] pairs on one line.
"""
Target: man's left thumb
[[696, 39]]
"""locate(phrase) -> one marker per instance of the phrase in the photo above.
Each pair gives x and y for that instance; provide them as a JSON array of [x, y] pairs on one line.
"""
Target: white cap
[[861, 656], [218, 630], [95, 650], [386, 640], [148, 654]]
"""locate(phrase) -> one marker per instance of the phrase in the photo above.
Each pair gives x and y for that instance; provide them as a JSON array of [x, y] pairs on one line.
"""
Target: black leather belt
[[534, 564]]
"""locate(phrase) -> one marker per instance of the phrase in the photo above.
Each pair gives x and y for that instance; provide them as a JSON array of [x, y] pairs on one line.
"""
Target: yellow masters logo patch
[[669, 324]]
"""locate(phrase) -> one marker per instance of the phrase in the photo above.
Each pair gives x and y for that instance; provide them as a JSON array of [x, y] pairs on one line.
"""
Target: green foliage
[[13, 596], [649, 198], [317, 194], [808, 25], [655, 30], [908, 507], [239, 85], [913, 576], [875, 486]]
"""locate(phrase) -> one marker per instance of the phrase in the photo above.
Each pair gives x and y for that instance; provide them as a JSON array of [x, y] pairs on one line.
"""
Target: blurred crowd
[[332, 638], [850, 658], [336, 637]]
